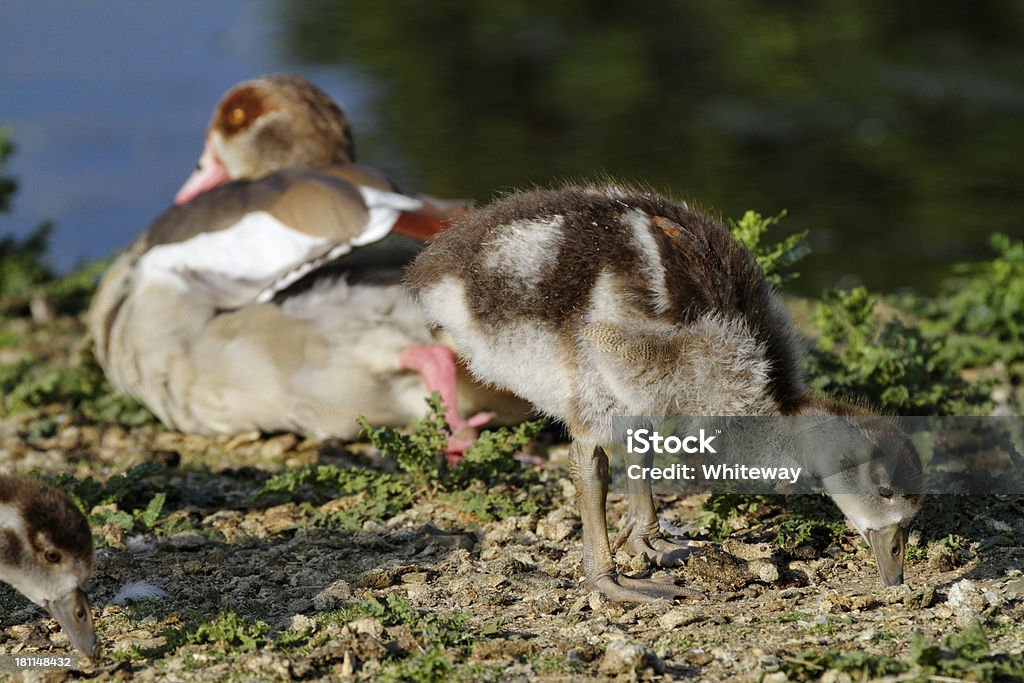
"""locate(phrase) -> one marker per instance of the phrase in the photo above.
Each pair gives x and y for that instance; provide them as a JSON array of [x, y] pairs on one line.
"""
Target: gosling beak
[[74, 615], [888, 544]]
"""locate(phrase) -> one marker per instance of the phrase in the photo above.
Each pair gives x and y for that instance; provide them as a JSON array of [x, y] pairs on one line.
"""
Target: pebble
[[833, 676], [679, 617], [368, 625], [625, 657], [300, 622], [966, 600], [597, 601], [942, 558], [187, 541], [332, 596], [1015, 589], [554, 528]]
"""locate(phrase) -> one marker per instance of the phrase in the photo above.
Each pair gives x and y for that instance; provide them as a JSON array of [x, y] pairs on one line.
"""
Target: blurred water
[[108, 102], [892, 131]]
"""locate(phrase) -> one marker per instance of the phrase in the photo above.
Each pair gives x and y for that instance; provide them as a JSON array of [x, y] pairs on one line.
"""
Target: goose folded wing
[[247, 240]]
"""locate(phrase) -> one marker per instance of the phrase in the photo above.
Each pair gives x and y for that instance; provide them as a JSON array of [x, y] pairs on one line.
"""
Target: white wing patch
[[522, 249], [385, 208], [243, 258], [652, 267], [259, 255]]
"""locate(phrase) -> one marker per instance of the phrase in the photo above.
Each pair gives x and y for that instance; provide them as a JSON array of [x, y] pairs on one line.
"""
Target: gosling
[[46, 554], [594, 302]]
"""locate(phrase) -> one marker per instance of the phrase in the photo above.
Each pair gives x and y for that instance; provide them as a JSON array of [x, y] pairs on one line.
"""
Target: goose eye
[[52, 556], [236, 116], [885, 492]]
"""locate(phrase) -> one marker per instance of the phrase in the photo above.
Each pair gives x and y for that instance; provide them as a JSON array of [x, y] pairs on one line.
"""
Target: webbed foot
[[658, 549], [626, 589]]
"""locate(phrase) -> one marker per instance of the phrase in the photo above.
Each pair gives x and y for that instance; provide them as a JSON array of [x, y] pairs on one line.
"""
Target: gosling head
[[872, 471], [46, 554]]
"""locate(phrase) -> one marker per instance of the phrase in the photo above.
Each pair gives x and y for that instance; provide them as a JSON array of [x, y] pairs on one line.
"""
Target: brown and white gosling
[[46, 553], [594, 302]]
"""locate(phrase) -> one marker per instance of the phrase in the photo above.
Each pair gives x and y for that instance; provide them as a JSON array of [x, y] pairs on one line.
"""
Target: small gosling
[[46, 553], [596, 302]]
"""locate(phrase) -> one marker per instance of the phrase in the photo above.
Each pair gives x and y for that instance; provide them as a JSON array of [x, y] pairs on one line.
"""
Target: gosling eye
[[885, 492], [52, 556]]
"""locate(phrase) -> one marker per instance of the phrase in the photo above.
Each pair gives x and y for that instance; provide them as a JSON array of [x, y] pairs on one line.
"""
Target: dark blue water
[[108, 102]]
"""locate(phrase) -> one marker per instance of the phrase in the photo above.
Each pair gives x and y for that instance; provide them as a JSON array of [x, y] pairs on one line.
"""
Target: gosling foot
[[626, 589], [658, 549]]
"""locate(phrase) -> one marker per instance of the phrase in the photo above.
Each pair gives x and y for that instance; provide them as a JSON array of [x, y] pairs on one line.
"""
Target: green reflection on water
[[893, 131]]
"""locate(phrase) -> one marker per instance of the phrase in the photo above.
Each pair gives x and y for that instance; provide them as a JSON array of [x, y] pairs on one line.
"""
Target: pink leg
[[436, 364]]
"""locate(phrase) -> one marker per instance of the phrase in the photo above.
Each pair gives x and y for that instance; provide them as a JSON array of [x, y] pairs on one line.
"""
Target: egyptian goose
[[594, 302], [269, 297], [46, 553]]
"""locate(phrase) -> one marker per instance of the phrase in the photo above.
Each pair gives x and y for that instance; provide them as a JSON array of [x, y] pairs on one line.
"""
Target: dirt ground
[[438, 593]]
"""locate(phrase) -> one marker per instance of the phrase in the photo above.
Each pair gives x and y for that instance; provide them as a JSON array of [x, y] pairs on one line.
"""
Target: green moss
[[963, 655], [229, 632], [487, 506], [82, 388], [130, 490], [375, 495], [556, 664], [787, 521], [431, 666], [420, 452], [424, 473]]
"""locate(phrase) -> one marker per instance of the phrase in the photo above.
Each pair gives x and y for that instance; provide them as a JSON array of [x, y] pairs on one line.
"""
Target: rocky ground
[[452, 587]]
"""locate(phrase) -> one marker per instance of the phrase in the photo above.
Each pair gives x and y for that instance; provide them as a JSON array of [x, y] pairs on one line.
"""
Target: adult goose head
[[268, 124]]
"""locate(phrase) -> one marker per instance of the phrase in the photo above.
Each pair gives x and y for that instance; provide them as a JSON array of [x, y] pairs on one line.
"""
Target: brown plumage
[[597, 302]]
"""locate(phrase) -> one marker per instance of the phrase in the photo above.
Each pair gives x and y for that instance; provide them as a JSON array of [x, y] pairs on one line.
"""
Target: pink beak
[[209, 173]]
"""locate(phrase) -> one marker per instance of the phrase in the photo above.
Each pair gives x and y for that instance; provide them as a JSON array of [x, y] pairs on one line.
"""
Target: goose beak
[[209, 173], [888, 545], [74, 615]]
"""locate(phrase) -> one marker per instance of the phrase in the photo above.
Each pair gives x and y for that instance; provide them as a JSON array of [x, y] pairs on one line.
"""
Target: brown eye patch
[[239, 109]]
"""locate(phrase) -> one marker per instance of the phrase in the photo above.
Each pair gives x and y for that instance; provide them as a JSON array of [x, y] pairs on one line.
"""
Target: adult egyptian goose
[[46, 553], [269, 297], [596, 302]]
